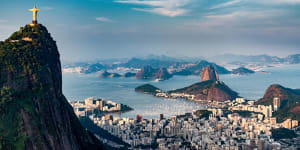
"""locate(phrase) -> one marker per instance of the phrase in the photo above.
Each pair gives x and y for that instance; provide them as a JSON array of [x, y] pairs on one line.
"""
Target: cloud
[[164, 11], [242, 19], [170, 8], [285, 1], [104, 19], [276, 1], [226, 4]]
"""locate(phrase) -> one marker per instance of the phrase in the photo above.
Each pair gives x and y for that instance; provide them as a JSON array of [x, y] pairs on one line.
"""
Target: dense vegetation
[[245, 114], [283, 133], [19, 58], [203, 113]]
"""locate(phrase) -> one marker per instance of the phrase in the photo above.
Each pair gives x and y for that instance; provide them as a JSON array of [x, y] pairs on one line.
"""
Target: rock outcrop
[[148, 72], [209, 73], [34, 114]]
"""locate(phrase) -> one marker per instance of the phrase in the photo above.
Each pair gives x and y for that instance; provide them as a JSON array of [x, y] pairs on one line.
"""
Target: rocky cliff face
[[34, 114], [209, 90], [209, 73], [293, 59], [148, 72]]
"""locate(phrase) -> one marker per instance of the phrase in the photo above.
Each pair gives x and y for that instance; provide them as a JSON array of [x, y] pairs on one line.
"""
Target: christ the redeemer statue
[[34, 10]]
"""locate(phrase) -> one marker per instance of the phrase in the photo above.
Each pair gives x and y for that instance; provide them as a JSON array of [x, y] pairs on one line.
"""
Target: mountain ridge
[[34, 112]]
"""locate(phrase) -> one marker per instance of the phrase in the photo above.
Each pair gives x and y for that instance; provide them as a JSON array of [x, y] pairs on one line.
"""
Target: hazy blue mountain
[[198, 68], [293, 59], [229, 58]]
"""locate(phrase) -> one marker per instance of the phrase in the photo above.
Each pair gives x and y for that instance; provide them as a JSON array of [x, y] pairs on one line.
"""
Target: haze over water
[[121, 90]]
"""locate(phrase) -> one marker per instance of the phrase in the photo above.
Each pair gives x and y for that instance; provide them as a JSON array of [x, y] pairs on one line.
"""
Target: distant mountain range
[[232, 58], [240, 64]]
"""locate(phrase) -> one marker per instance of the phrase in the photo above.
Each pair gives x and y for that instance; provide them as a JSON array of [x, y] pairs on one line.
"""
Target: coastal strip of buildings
[[99, 106]]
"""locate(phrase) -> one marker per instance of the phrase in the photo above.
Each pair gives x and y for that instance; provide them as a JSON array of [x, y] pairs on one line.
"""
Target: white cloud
[[170, 8], [237, 19], [226, 4], [275, 1], [164, 11], [104, 19], [285, 1]]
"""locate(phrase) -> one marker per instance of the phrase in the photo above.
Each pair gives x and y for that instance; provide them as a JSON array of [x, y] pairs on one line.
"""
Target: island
[[129, 74], [242, 71], [106, 74], [148, 89], [148, 72]]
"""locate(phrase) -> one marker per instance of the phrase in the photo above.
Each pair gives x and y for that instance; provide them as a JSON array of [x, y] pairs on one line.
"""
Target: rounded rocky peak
[[209, 73]]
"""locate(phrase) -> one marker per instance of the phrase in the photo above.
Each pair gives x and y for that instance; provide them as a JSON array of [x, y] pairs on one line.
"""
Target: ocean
[[121, 90]]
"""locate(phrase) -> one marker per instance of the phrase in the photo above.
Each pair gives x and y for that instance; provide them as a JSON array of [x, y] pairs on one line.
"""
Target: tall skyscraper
[[276, 103]]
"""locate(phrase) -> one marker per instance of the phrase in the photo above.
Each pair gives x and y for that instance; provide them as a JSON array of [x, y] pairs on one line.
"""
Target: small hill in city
[[289, 99]]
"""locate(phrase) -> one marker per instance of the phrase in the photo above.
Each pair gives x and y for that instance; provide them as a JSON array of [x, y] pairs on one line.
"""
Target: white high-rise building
[[276, 103]]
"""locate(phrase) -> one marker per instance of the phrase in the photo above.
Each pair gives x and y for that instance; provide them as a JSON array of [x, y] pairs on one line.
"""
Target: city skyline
[[90, 29]]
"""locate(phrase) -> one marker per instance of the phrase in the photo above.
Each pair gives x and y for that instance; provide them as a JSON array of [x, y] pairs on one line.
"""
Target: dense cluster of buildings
[[91, 105], [240, 104], [220, 130]]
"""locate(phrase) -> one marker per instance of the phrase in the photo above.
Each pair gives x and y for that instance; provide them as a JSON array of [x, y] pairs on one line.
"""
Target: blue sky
[[90, 29]]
